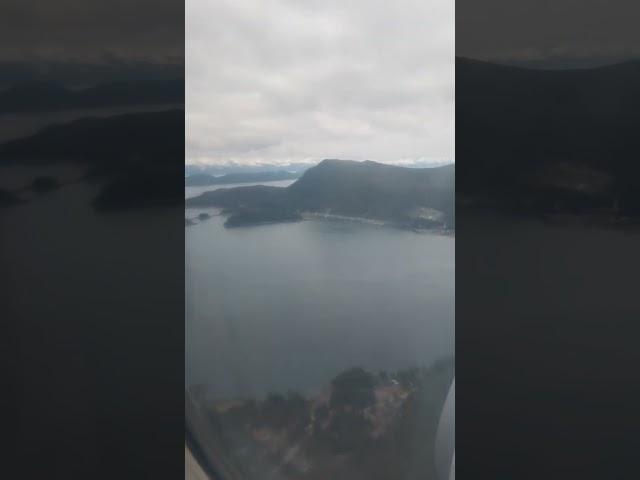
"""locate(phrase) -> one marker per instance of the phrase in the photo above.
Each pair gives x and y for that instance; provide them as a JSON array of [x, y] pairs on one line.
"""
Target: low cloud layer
[[288, 81]]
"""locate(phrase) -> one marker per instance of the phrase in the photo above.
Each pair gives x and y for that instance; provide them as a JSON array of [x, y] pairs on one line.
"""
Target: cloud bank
[[552, 33], [92, 31], [287, 81]]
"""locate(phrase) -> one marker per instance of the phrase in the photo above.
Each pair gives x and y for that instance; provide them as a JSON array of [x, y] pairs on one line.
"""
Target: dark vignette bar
[[91, 238], [547, 216]]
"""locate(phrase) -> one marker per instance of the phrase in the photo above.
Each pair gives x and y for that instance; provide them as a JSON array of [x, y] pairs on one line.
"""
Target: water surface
[[288, 306]]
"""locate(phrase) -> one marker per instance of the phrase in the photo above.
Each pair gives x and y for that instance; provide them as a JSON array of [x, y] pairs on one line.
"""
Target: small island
[[45, 184]]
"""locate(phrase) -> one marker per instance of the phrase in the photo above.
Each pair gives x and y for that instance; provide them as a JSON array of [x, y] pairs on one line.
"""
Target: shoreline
[[331, 217], [375, 222]]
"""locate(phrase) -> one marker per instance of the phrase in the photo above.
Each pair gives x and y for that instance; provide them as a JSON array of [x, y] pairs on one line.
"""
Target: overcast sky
[[556, 33], [289, 81], [91, 31]]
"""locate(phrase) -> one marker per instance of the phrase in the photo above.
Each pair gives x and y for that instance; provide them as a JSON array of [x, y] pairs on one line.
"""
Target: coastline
[[376, 222], [332, 217]]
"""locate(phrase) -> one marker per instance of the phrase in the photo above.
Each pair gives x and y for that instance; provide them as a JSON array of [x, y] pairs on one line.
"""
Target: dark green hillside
[[549, 140], [408, 197]]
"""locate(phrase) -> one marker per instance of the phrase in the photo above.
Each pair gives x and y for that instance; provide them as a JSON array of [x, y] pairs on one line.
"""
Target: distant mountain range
[[203, 179], [549, 140], [50, 96], [225, 168], [407, 197], [217, 170]]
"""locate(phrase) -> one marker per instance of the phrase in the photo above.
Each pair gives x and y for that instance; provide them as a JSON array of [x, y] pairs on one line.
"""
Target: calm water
[[288, 306], [91, 295]]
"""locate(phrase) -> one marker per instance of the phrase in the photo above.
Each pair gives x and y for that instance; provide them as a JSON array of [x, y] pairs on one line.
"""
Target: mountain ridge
[[114, 139], [549, 140], [41, 96], [139, 155], [401, 196]]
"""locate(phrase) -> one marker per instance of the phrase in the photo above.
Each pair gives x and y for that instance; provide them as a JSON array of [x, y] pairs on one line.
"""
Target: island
[[415, 198], [137, 157], [45, 184]]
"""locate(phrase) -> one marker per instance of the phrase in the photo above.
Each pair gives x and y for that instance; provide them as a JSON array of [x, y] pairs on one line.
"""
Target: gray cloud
[[91, 31], [289, 81], [569, 32]]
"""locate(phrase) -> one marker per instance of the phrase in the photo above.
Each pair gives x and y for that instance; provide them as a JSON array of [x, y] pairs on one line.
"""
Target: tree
[[353, 388]]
